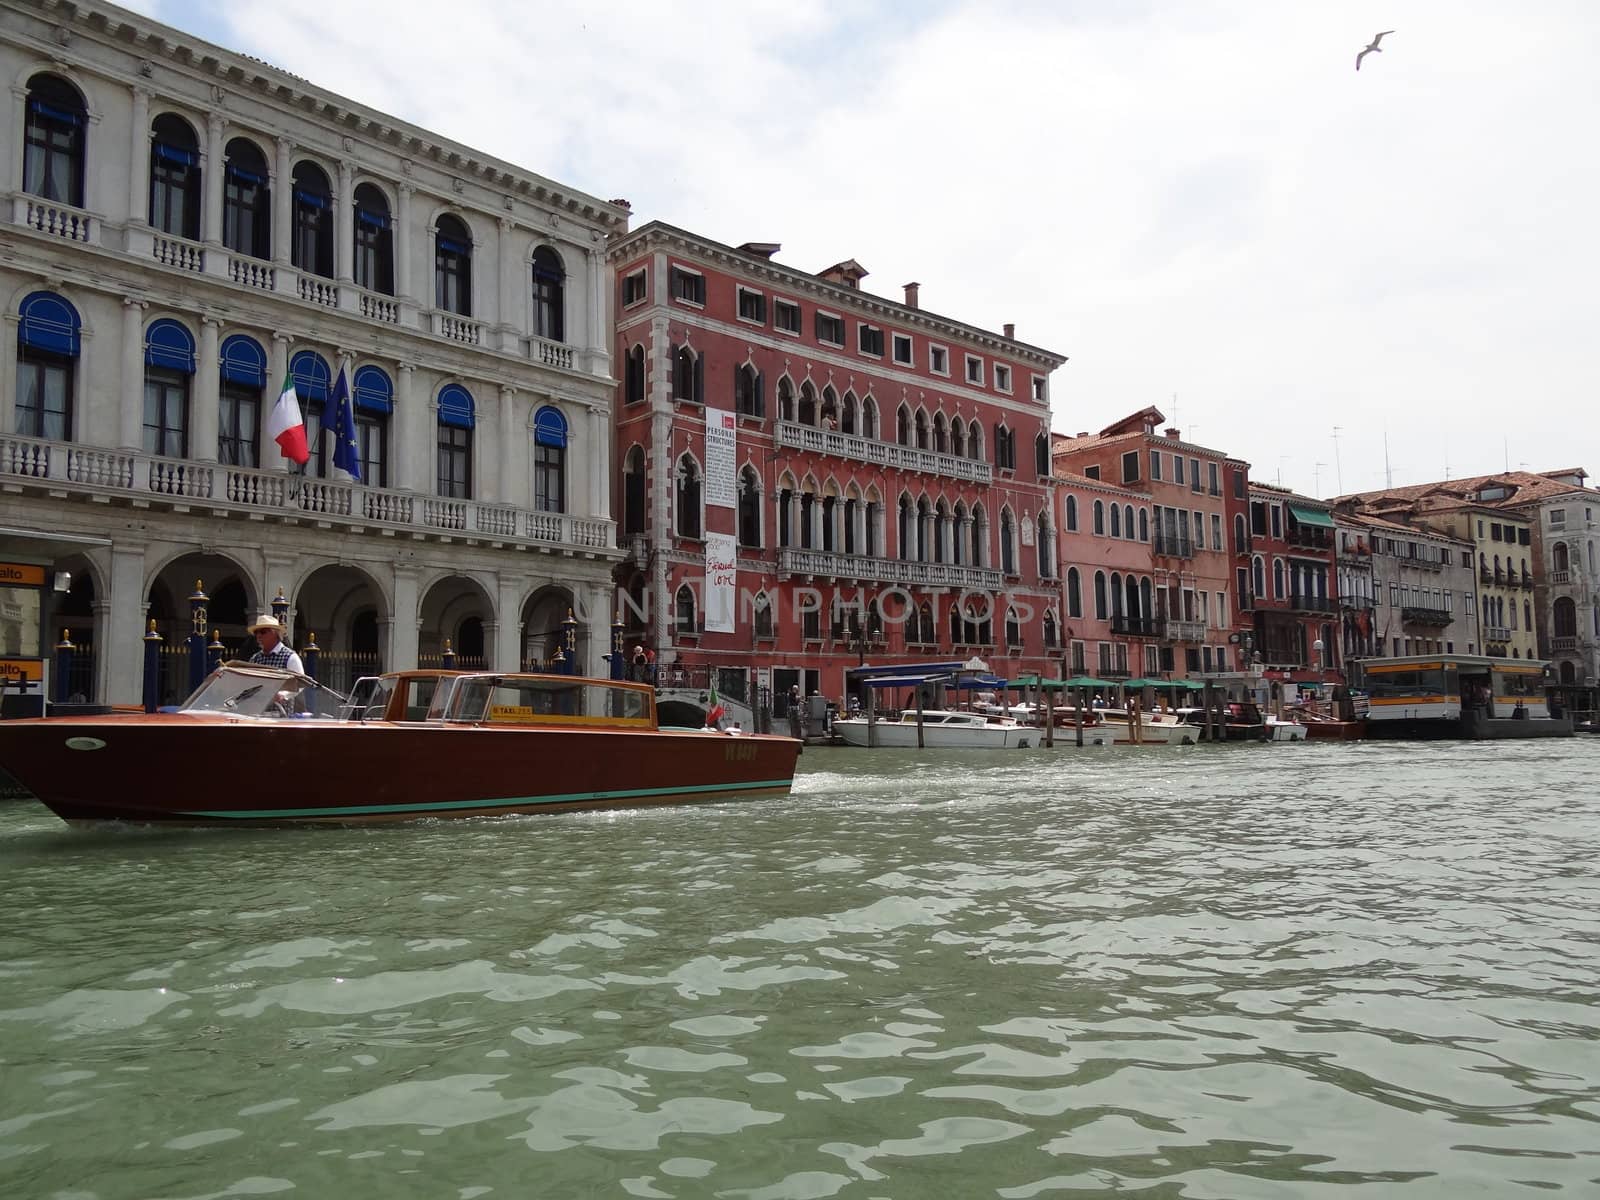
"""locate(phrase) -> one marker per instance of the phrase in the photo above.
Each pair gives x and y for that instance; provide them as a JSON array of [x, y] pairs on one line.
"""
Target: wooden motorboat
[[1241, 721], [255, 745]]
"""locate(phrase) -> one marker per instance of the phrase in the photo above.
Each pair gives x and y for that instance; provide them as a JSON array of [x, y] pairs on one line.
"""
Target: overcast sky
[[1200, 202]]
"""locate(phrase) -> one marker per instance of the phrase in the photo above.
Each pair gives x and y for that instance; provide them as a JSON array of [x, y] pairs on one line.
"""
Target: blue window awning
[[550, 427], [311, 375], [168, 344], [50, 323], [244, 361], [455, 406], [372, 390]]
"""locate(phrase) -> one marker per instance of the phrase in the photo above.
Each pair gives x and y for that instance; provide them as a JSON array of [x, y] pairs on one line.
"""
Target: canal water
[[1219, 971]]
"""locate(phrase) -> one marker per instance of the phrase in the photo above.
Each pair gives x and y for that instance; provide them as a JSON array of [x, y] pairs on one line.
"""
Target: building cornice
[[119, 28], [657, 235]]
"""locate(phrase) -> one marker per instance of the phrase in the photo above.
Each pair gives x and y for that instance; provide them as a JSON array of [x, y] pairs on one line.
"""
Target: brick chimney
[[1172, 433], [1010, 331], [911, 294]]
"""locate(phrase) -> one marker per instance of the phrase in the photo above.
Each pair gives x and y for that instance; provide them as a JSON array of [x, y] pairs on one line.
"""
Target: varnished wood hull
[[171, 768]]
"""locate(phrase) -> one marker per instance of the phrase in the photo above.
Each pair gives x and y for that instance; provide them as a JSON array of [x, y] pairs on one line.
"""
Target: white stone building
[[181, 228]]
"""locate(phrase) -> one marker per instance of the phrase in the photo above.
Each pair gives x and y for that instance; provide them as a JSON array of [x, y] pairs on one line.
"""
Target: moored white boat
[[1279, 730], [948, 730], [1154, 729]]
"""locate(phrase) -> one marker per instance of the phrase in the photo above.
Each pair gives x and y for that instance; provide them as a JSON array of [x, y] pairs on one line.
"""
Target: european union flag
[[346, 457]]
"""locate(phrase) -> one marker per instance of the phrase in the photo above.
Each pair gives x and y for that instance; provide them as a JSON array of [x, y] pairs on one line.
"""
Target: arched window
[[1100, 611], [980, 537], [1258, 576], [869, 418], [906, 530], [1072, 514], [48, 343], [808, 404], [688, 497], [168, 369], [941, 434], [1127, 521], [1277, 579], [785, 398], [1560, 559], [902, 426], [1005, 447], [924, 519], [1116, 520], [373, 394], [246, 200], [830, 408], [1013, 629], [549, 460], [313, 382], [1241, 540], [633, 491], [457, 417], [1100, 517], [749, 509], [1564, 617], [747, 398], [922, 430], [1008, 547], [452, 266], [688, 376], [762, 608], [941, 530], [958, 437], [311, 247], [633, 384], [374, 240], [1041, 456], [683, 610], [1144, 524], [242, 382], [53, 141], [1116, 593], [1045, 541], [174, 177], [1051, 636], [1074, 593], [847, 414], [549, 295]]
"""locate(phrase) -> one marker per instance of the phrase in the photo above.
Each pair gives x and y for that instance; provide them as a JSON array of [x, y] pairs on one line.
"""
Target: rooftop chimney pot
[[1011, 331], [1171, 432], [911, 294]]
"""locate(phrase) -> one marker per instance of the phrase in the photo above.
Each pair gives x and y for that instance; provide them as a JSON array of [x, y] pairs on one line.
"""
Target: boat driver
[[270, 649]]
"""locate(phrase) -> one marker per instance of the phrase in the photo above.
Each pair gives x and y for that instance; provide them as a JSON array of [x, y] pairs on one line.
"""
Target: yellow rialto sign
[[21, 575], [21, 670]]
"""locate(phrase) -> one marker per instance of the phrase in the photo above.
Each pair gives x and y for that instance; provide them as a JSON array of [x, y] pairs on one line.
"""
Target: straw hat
[[264, 621]]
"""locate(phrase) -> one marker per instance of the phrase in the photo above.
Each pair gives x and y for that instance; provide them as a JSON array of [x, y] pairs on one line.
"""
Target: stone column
[[132, 423], [509, 318], [402, 243], [599, 458], [283, 204], [121, 666], [138, 158], [597, 624], [344, 233], [410, 433], [597, 335], [511, 489], [508, 625], [204, 403], [401, 653], [211, 181]]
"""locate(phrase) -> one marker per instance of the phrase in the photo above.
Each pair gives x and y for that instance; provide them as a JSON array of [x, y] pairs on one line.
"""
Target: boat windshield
[[547, 700], [243, 690]]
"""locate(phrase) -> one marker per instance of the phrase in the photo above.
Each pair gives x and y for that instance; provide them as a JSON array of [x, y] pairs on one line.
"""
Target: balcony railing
[[1133, 626], [886, 570], [1559, 645], [1419, 615], [1356, 601], [1561, 578], [93, 471], [888, 454], [1172, 630], [1307, 540], [1314, 604], [56, 220], [179, 253], [1173, 545], [1496, 633]]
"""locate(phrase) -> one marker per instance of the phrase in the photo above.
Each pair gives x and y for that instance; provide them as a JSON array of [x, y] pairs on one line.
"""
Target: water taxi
[[1456, 696], [259, 746]]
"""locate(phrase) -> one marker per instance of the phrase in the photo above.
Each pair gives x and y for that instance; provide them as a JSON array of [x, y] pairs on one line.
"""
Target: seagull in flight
[[1372, 49]]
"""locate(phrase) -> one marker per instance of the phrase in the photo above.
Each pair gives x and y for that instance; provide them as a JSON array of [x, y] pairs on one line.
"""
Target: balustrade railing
[[252, 273], [458, 329], [887, 570], [133, 474], [178, 253], [318, 291], [889, 454], [56, 220]]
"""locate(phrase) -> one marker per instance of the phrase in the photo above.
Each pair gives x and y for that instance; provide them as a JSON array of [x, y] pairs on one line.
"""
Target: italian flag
[[285, 426], [716, 712]]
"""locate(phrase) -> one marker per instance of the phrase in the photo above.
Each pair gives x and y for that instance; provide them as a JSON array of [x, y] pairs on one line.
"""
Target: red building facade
[[1292, 578], [810, 477], [1188, 628]]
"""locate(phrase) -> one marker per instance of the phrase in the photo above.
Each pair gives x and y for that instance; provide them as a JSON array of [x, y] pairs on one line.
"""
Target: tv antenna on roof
[[1316, 479], [1338, 470]]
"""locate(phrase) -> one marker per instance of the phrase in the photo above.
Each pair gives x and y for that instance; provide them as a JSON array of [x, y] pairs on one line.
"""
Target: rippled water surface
[[1275, 971]]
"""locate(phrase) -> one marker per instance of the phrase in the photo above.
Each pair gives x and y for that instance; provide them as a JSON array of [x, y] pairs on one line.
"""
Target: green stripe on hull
[[356, 810]]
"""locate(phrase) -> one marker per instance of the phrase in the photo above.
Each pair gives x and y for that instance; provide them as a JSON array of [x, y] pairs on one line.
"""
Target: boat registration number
[[739, 751]]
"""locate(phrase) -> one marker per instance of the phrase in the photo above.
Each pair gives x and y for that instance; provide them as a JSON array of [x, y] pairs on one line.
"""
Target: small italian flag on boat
[[285, 425], [716, 712]]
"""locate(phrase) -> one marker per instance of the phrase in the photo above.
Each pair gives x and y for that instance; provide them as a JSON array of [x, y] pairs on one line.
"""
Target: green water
[[1237, 971]]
